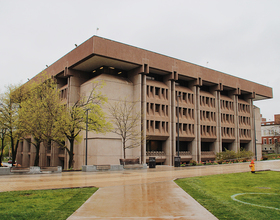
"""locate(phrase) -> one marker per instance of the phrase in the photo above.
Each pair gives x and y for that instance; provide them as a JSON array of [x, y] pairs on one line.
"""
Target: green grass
[[214, 193], [42, 204]]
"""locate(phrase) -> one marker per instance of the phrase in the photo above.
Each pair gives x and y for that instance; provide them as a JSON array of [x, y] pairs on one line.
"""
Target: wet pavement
[[132, 194]]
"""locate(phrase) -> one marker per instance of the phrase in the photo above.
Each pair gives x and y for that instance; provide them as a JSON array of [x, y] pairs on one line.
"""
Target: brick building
[[271, 135], [216, 110]]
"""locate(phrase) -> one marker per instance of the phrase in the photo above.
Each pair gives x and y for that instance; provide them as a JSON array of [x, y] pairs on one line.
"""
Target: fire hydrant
[[252, 166]]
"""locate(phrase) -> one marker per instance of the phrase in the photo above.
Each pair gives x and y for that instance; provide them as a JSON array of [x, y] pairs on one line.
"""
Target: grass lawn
[[215, 194], [42, 204]]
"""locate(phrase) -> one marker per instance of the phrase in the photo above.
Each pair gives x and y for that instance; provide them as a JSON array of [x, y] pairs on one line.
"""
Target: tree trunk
[[36, 162], [71, 155], [2, 148], [15, 152], [12, 146], [123, 149], [14, 149]]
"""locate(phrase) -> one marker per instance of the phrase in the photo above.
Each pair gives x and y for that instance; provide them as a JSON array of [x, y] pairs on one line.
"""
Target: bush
[[230, 154], [226, 155], [193, 163], [244, 154]]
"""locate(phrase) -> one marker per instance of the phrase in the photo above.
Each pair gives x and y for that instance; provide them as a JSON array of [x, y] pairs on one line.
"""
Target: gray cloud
[[237, 37]]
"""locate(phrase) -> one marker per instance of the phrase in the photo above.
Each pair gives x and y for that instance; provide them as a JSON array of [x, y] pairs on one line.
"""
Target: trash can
[[152, 162], [177, 161]]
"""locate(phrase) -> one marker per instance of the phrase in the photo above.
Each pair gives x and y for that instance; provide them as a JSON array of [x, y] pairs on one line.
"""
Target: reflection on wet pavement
[[133, 194]]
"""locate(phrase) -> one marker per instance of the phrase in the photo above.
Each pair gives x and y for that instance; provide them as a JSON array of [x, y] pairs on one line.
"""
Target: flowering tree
[[73, 118], [40, 112], [9, 116]]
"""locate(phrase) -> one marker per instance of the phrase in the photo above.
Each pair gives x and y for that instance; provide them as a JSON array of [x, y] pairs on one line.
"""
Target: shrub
[[244, 154], [226, 155], [230, 154], [193, 163]]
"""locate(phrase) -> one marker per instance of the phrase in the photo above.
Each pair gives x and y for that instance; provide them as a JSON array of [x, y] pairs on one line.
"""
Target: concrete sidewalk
[[156, 200], [132, 194], [160, 200]]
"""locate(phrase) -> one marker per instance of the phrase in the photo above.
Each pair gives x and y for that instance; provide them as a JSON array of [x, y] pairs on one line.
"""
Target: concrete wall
[[106, 148]]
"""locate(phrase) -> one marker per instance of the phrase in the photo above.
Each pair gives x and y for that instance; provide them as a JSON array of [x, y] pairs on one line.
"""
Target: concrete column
[[168, 147], [54, 155], [138, 78], [25, 155], [75, 80], [43, 155], [73, 90], [218, 142], [19, 153], [138, 95], [32, 153], [143, 94], [236, 143], [173, 119], [196, 143]]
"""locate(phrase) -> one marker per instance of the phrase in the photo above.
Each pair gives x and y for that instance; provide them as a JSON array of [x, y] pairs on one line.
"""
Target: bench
[[129, 161]]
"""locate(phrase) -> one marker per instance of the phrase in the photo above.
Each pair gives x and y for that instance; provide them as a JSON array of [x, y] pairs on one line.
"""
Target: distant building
[[216, 110], [271, 135]]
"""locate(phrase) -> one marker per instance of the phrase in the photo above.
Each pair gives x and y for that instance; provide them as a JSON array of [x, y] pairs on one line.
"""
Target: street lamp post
[[86, 135], [255, 133]]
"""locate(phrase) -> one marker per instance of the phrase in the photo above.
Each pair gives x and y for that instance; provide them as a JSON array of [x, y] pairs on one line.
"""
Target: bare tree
[[126, 123]]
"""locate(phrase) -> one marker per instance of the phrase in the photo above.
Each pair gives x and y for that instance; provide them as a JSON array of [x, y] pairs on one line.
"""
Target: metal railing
[[185, 153], [155, 153]]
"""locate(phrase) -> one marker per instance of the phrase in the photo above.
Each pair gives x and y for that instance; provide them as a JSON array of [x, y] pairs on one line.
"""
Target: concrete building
[[271, 135], [216, 110]]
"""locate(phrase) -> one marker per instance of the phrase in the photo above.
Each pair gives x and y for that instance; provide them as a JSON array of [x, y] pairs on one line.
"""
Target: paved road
[[132, 194]]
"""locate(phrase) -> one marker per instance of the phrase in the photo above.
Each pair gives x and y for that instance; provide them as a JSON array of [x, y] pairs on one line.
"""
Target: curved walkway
[[132, 194]]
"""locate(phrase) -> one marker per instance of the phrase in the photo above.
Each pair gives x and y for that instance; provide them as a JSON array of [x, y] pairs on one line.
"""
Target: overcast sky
[[237, 37]]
